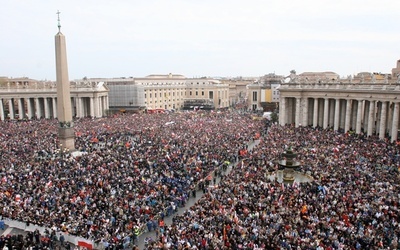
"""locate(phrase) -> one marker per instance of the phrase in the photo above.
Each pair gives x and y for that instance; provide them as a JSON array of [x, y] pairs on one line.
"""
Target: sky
[[196, 38]]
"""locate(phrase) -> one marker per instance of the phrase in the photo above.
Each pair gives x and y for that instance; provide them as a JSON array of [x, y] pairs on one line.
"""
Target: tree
[[274, 117]]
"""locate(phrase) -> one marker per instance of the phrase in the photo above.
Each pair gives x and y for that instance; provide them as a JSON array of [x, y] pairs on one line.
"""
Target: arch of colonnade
[[42, 104], [369, 108]]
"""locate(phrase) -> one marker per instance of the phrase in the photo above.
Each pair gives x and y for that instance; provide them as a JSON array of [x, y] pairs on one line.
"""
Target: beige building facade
[[23, 98], [359, 105], [263, 94], [166, 91]]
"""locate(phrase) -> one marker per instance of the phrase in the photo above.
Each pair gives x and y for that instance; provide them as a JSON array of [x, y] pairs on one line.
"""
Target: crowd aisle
[[133, 170], [224, 169]]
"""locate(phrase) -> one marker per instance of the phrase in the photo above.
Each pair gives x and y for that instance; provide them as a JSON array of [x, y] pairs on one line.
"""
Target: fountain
[[288, 166]]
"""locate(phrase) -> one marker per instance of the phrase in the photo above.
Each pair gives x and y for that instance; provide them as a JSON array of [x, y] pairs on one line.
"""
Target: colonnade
[[46, 107], [372, 117]]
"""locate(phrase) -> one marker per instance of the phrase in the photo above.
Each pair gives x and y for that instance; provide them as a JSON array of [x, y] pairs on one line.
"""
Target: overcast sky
[[199, 37]]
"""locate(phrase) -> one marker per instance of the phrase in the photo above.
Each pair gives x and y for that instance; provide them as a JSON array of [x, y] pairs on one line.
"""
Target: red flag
[[225, 237], [88, 245]]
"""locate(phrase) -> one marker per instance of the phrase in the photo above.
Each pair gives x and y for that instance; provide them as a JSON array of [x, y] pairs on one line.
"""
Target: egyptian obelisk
[[64, 109]]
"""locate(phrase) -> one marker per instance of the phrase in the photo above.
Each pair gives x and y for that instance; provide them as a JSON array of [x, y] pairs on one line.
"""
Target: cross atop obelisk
[[64, 109], [58, 19]]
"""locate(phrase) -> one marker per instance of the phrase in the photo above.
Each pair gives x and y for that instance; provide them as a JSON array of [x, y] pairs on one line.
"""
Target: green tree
[[274, 117]]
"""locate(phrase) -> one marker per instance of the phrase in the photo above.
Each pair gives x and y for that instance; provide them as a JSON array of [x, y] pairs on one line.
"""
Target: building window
[[202, 93], [254, 106], [155, 95], [190, 93], [254, 96], [211, 95], [197, 93]]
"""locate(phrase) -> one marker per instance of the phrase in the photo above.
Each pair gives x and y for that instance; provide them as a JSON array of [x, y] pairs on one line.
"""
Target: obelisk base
[[67, 138]]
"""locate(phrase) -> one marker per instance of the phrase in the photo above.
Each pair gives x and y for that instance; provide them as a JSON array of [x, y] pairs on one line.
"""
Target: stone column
[[389, 115], [99, 106], [2, 116], [359, 116], [37, 108], [315, 117], [30, 108], [11, 108], [282, 111], [91, 107], [82, 106], [353, 119], [103, 105], [21, 108], [46, 108], [378, 108], [305, 112], [326, 113], [297, 117], [96, 107], [348, 116], [337, 115], [365, 119], [54, 100], [395, 123], [342, 119], [382, 125], [371, 118], [331, 118], [78, 107]]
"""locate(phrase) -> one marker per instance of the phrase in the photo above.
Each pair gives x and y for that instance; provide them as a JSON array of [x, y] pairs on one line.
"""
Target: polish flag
[[86, 244]]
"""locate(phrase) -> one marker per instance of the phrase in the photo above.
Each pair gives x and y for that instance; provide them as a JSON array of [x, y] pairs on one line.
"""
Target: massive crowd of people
[[351, 204], [132, 169], [138, 168]]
